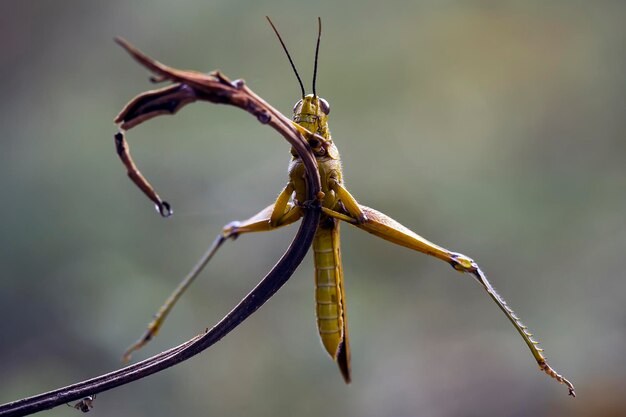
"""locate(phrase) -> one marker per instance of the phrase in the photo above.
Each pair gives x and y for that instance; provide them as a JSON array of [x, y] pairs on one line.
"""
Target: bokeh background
[[496, 129]]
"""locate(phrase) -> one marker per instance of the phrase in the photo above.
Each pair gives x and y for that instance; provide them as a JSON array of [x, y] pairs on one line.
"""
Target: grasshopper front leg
[[281, 213]]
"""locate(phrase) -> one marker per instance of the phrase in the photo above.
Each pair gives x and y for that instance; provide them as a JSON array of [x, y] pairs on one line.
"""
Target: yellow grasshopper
[[310, 118]]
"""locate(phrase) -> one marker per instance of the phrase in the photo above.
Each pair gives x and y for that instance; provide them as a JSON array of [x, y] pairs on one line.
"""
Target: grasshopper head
[[311, 113]]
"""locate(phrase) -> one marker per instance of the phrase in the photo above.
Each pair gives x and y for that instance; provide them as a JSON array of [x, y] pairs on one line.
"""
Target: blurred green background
[[495, 129]]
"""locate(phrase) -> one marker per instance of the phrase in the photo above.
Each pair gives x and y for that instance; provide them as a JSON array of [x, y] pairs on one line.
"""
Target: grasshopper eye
[[325, 106], [296, 105]]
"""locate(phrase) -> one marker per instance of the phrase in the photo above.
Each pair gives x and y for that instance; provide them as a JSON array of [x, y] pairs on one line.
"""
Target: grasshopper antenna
[[288, 56], [317, 51]]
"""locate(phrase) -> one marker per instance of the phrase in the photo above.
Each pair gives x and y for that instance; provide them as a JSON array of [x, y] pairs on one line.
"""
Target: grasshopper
[[310, 118]]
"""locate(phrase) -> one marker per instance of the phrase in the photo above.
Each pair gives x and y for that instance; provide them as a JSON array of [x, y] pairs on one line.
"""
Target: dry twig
[[187, 87]]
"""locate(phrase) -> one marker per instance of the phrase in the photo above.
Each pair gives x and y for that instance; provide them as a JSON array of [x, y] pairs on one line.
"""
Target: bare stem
[[188, 87]]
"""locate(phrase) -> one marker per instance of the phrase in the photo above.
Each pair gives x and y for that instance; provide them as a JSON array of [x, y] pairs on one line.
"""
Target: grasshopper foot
[[153, 329]]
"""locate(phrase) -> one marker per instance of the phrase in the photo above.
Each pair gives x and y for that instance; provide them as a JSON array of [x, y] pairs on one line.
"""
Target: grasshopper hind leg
[[159, 317], [385, 227], [282, 213]]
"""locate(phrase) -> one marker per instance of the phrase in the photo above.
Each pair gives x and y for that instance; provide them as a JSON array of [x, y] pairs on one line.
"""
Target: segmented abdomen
[[328, 286]]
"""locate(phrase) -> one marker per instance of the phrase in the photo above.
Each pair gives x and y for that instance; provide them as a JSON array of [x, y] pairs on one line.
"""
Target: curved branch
[[191, 86]]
